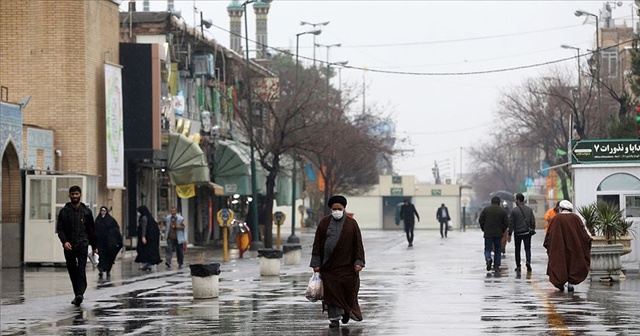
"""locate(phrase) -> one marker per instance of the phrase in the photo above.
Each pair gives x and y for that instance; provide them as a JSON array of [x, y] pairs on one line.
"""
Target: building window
[[610, 62], [619, 181], [621, 187]]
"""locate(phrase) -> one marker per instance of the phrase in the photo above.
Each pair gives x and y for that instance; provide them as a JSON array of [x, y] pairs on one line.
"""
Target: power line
[[449, 131], [414, 73], [458, 40]]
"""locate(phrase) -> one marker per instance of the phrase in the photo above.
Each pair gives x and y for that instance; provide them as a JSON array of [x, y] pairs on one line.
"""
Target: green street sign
[[396, 192], [605, 151], [436, 192]]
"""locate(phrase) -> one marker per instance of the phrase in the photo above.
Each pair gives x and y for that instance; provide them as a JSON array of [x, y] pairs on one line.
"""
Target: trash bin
[[292, 253], [204, 280], [269, 261]]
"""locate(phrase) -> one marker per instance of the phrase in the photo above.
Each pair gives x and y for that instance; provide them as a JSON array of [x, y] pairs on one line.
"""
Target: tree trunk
[[268, 208], [564, 177]]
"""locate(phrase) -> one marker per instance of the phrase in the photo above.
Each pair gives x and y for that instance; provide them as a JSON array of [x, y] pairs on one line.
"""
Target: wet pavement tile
[[437, 287]]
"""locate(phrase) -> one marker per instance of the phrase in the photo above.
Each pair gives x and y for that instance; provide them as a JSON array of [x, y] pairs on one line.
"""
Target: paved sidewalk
[[438, 287]]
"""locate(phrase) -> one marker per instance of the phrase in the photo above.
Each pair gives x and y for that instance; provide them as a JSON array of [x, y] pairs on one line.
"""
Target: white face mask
[[337, 214]]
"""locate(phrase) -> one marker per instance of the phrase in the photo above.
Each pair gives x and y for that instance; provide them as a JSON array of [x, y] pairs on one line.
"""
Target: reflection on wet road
[[437, 287]]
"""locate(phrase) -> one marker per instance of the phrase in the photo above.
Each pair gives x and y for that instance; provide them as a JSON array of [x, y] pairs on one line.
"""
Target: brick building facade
[[54, 51]]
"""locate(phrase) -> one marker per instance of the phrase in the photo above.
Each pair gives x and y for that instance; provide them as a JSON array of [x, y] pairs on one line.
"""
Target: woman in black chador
[[109, 240], [148, 240]]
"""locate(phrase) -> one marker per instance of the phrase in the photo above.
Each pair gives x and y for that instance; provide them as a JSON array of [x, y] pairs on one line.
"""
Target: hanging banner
[[114, 133]]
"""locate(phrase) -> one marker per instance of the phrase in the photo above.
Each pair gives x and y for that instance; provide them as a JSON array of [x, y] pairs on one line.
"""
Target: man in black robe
[[338, 254]]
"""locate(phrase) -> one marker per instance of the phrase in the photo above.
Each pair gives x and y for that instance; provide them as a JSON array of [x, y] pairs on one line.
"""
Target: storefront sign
[[605, 151], [436, 192], [396, 192]]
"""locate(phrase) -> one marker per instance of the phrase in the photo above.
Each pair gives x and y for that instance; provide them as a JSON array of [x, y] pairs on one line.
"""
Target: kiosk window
[[632, 203], [40, 202], [619, 181]]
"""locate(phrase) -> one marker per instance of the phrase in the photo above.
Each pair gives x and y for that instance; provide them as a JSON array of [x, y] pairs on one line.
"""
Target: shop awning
[[186, 163], [232, 169]]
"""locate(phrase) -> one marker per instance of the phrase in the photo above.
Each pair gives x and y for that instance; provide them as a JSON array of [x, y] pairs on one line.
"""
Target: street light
[[579, 13], [314, 25], [256, 244], [328, 46], [293, 239], [204, 23], [341, 64], [564, 46]]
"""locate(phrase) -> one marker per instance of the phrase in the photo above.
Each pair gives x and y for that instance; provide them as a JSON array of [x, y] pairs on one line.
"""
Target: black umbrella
[[504, 195]]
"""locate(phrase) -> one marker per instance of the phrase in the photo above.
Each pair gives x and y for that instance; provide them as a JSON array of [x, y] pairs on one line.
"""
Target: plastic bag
[[315, 290], [94, 258]]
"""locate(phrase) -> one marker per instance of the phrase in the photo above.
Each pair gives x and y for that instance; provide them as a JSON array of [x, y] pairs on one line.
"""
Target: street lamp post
[[328, 46], [341, 64], [314, 25], [564, 46], [256, 244], [597, 51], [293, 239]]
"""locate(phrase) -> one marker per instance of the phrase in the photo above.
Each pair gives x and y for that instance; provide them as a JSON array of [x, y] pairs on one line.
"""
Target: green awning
[[232, 169], [187, 163]]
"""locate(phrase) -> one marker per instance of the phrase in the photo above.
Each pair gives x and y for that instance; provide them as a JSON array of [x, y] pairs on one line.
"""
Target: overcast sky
[[440, 115]]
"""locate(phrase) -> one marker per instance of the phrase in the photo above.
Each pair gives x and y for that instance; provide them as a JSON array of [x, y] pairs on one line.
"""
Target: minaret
[[235, 11], [261, 9]]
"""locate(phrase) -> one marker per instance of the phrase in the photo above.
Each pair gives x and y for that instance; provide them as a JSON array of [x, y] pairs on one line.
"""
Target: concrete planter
[[269, 262], [605, 262], [204, 280], [292, 254]]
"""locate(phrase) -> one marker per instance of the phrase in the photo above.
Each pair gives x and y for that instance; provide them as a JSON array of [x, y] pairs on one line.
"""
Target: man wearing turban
[[568, 247], [338, 254]]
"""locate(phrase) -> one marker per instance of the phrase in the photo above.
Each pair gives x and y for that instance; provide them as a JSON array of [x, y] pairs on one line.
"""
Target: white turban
[[566, 205]]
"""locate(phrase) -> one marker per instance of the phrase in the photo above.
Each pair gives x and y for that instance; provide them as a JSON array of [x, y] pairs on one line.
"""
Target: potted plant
[[606, 220], [610, 230]]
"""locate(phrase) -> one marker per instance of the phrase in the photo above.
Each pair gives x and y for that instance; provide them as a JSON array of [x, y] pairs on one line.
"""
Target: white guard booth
[[45, 195], [609, 170]]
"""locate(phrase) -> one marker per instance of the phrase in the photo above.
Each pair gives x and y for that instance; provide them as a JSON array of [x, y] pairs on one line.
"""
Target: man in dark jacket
[[522, 224], [76, 231], [443, 217], [407, 211], [493, 222]]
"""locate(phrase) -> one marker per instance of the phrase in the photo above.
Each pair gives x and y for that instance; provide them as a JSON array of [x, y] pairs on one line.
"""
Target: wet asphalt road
[[438, 287]]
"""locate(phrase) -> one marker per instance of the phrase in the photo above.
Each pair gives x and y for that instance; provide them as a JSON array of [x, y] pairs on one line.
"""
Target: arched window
[[619, 181], [621, 188]]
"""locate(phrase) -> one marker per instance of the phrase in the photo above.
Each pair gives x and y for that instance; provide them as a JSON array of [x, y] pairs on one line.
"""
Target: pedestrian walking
[[548, 216], [109, 240], [175, 234], [505, 236], [522, 224], [407, 213], [494, 223], [148, 247], [442, 214], [338, 254], [76, 231], [568, 245]]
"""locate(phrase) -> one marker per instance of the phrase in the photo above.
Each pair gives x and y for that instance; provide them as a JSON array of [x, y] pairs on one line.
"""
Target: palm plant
[[605, 219], [589, 213]]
